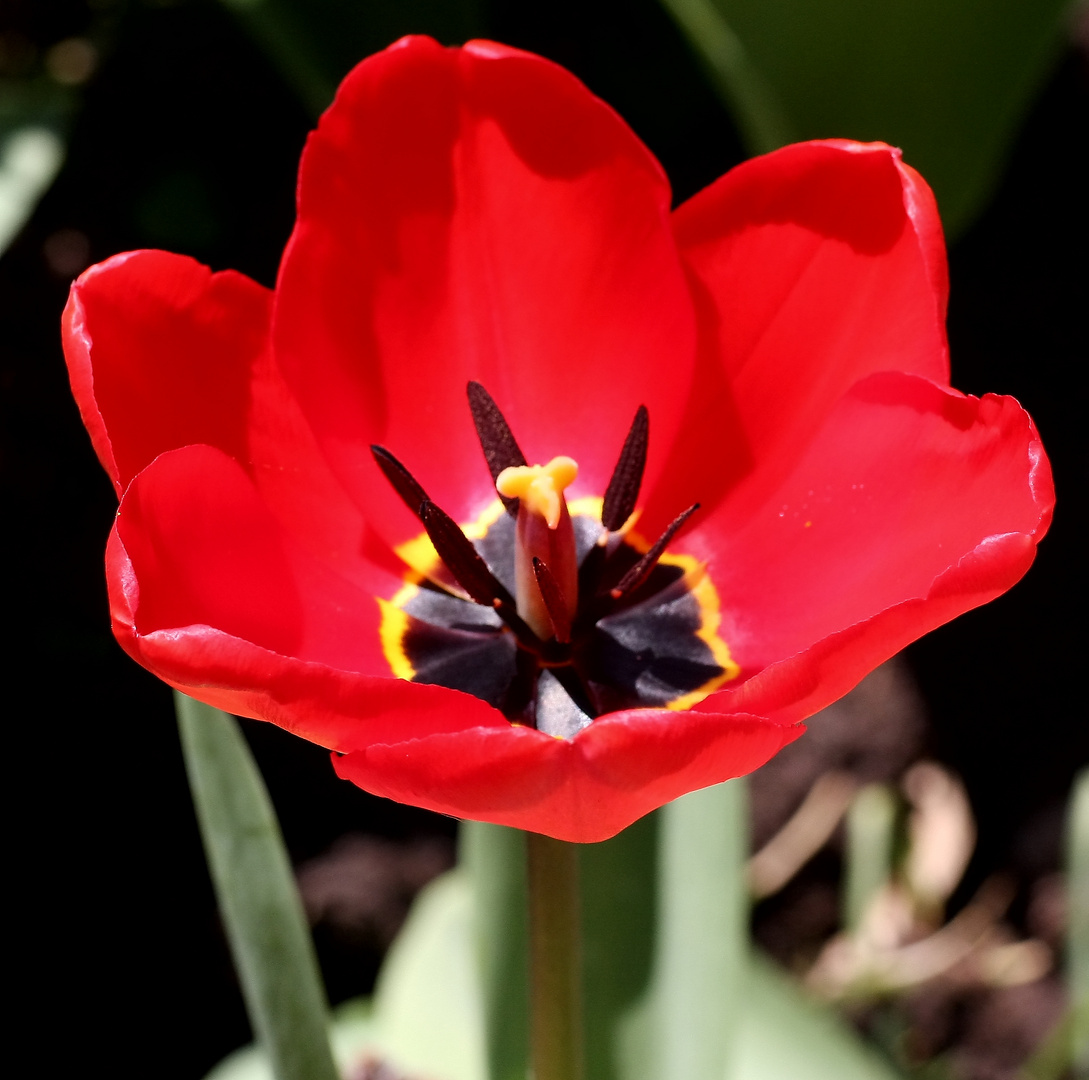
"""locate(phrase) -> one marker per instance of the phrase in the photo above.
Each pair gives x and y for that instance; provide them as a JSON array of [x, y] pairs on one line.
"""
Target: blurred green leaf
[[753, 100], [1052, 1058], [35, 114], [352, 1034], [269, 938], [429, 1007], [1065, 1050], [41, 93], [426, 1017], [35, 101], [783, 1035], [868, 858], [619, 915], [494, 859], [948, 81], [685, 1027], [315, 43], [30, 158]]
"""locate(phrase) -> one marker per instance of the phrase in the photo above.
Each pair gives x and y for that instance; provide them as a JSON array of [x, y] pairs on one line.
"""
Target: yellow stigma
[[539, 487]]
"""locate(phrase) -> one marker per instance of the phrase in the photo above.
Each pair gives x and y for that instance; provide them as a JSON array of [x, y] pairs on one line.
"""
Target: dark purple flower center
[[494, 616]]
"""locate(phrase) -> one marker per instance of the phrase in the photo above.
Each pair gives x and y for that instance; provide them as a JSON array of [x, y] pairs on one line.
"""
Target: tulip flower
[[732, 474]]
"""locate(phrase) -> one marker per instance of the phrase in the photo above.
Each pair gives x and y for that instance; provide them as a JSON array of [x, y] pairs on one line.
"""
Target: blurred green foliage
[[948, 81], [314, 43], [262, 914], [671, 988]]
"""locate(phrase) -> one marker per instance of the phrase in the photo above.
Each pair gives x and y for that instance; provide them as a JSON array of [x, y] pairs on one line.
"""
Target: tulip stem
[[555, 958]]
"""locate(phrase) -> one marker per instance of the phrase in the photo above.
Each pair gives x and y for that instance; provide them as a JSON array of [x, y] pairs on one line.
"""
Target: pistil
[[544, 548]]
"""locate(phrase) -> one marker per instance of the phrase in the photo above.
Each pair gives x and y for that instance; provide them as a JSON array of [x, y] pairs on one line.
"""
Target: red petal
[[207, 592], [811, 267], [478, 214], [163, 353], [815, 677], [202, 549], [160, 352], [584, 789], [913, 504], [212, 595]]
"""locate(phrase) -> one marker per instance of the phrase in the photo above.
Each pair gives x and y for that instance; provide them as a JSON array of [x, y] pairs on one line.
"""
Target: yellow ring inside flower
[[426, 566]]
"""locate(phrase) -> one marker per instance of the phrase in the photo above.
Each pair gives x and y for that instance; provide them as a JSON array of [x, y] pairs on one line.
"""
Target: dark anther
[[461, 558], [471, 571], [500, 448], [641, 570], [403, 482], [554, 601], [590, 571], [627, 478]]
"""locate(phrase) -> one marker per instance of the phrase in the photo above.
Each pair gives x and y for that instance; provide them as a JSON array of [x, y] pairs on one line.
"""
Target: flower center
[[553, 614]]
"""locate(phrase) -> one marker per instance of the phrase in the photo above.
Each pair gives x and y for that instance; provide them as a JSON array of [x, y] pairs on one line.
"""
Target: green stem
[[555, 958]]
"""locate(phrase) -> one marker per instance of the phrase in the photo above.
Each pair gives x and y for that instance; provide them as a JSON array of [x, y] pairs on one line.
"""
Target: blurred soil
[[965, 1023]]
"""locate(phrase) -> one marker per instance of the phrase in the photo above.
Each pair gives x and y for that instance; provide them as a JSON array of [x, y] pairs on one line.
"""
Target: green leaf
[[669, 988], [868, 858], [619, 913], [948, 81], [428, 1006], [494, 859], [782, 1035], [30, 158], [685, 1027], [35, 116], [262, 914], [352, 1034], [752, 99], [428, 1016]]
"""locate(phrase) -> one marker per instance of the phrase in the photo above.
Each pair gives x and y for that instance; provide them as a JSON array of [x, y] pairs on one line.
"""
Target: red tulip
[[476, 214]]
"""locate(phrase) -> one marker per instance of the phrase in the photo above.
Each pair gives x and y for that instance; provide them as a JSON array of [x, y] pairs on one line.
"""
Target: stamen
[[539, 487], [641, 570], [501, 449], [472, 574], [402, 481], [462, 559], [627, 478], [555, 601]]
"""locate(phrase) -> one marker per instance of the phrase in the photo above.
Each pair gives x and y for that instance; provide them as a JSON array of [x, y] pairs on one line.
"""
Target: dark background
[[186, 137]]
